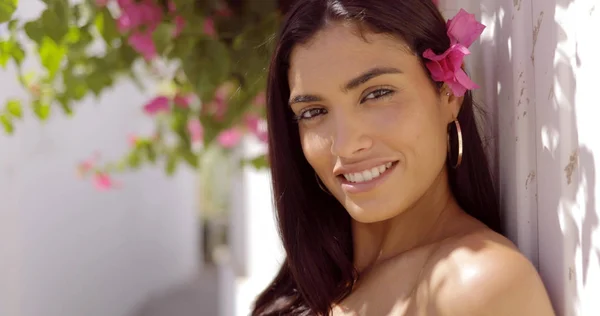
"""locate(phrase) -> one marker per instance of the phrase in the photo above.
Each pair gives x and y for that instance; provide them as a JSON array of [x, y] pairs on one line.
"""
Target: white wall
[[566, 61], [537, 63], [257, 252], [67, 249]]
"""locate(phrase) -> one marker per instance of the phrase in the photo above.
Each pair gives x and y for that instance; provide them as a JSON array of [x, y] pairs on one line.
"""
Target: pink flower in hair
[[463, 30]]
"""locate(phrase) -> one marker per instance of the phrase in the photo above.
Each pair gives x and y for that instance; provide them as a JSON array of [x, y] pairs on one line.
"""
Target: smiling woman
[[384, 197]]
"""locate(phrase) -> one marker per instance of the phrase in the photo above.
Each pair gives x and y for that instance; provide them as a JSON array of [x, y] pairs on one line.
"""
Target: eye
[[378, 94], [310, 113]]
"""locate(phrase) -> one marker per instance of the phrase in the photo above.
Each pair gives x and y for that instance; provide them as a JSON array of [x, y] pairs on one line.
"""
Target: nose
[[350, 136]]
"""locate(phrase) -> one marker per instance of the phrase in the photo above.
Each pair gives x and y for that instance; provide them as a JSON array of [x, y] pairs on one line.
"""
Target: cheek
[[414, 129], [316, 148]]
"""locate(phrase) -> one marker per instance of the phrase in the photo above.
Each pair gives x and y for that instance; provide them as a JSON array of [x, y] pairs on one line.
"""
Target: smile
[[367, 175], [366, 180]]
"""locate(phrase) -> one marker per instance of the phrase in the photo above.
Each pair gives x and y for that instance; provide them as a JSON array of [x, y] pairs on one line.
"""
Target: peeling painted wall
[[537, 63]]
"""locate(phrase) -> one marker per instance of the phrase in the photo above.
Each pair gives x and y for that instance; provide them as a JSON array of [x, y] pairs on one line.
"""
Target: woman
[[383, 193]]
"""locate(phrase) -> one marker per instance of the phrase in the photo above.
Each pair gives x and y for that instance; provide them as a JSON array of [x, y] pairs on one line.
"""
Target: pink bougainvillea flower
[[143, 44], [141, 18], [436, 2], [196, 131], [124, 3], [448, 68], [157, 105], [182, 101], [179, 25], [104, 182], [218, 106], [229, 138], [84, 167], [131, 16], [463, 29], [88, 165], [255, 126], [260, 100], [252, 122], [209, 27]]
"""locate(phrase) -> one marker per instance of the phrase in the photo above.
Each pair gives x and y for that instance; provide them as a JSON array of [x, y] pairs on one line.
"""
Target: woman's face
[[371, 123]]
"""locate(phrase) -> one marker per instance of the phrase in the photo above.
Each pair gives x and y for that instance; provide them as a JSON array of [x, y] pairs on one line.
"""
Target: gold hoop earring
[[460, 144], [321, 186]]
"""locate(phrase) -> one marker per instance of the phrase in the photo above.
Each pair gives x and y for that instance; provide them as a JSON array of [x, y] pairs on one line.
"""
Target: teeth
[[367, 175]]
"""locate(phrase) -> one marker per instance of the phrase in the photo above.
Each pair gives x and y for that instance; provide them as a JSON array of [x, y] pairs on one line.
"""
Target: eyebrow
[[350, 85]]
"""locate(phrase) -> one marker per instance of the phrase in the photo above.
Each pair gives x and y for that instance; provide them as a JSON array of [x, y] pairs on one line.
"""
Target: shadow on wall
[[565, 175], [567, 203]]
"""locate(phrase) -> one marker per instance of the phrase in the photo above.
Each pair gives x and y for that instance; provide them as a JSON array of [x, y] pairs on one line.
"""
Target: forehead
[[340, 51]]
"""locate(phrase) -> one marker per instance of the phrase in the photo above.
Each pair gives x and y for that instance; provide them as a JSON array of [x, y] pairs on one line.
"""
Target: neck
[[420, 225]]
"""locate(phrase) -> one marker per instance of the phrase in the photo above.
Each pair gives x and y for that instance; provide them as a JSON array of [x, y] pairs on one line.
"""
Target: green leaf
[[171, 165], [4, 53], [51, 55], [35, 31], [7, 8], [183, 46], [134, 160], [163, 37], [207, 67], [259, 162], [61, 9], [54, 26], [78, 39], [14, 108], [17, 53], [28, 78], [11, 49], [149, 151], [42, 111], [64, 102], [106, 26], [12, 25], [7, 123], [98, 80], [188, 156]]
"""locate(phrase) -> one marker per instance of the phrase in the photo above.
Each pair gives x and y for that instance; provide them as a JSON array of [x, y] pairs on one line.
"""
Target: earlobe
[[453, 103]]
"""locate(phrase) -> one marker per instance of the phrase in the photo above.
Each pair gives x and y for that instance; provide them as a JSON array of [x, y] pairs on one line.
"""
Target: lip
[[362, 187]]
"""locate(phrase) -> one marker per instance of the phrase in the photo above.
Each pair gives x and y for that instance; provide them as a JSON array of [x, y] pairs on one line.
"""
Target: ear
[[450, 103]]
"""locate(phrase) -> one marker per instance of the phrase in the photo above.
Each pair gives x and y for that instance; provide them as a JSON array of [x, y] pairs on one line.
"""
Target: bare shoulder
[[481, 273]]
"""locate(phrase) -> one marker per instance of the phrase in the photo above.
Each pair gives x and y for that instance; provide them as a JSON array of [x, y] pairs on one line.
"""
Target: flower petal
[[195, 130], [229, 138], [143, 44], [156, 105], [464, 28], [465, 81]]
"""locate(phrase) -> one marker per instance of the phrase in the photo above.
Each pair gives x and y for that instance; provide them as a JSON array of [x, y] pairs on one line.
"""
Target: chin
[[368, 214]]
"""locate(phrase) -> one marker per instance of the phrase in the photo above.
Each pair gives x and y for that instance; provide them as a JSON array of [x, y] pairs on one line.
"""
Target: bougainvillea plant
[[211, 54]]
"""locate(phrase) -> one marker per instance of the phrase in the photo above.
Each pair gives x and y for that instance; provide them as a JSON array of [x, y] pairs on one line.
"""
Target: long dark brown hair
[[315, 228]]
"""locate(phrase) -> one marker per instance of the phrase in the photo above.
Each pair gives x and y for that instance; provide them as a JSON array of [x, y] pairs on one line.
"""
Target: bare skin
[[417, 251]]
